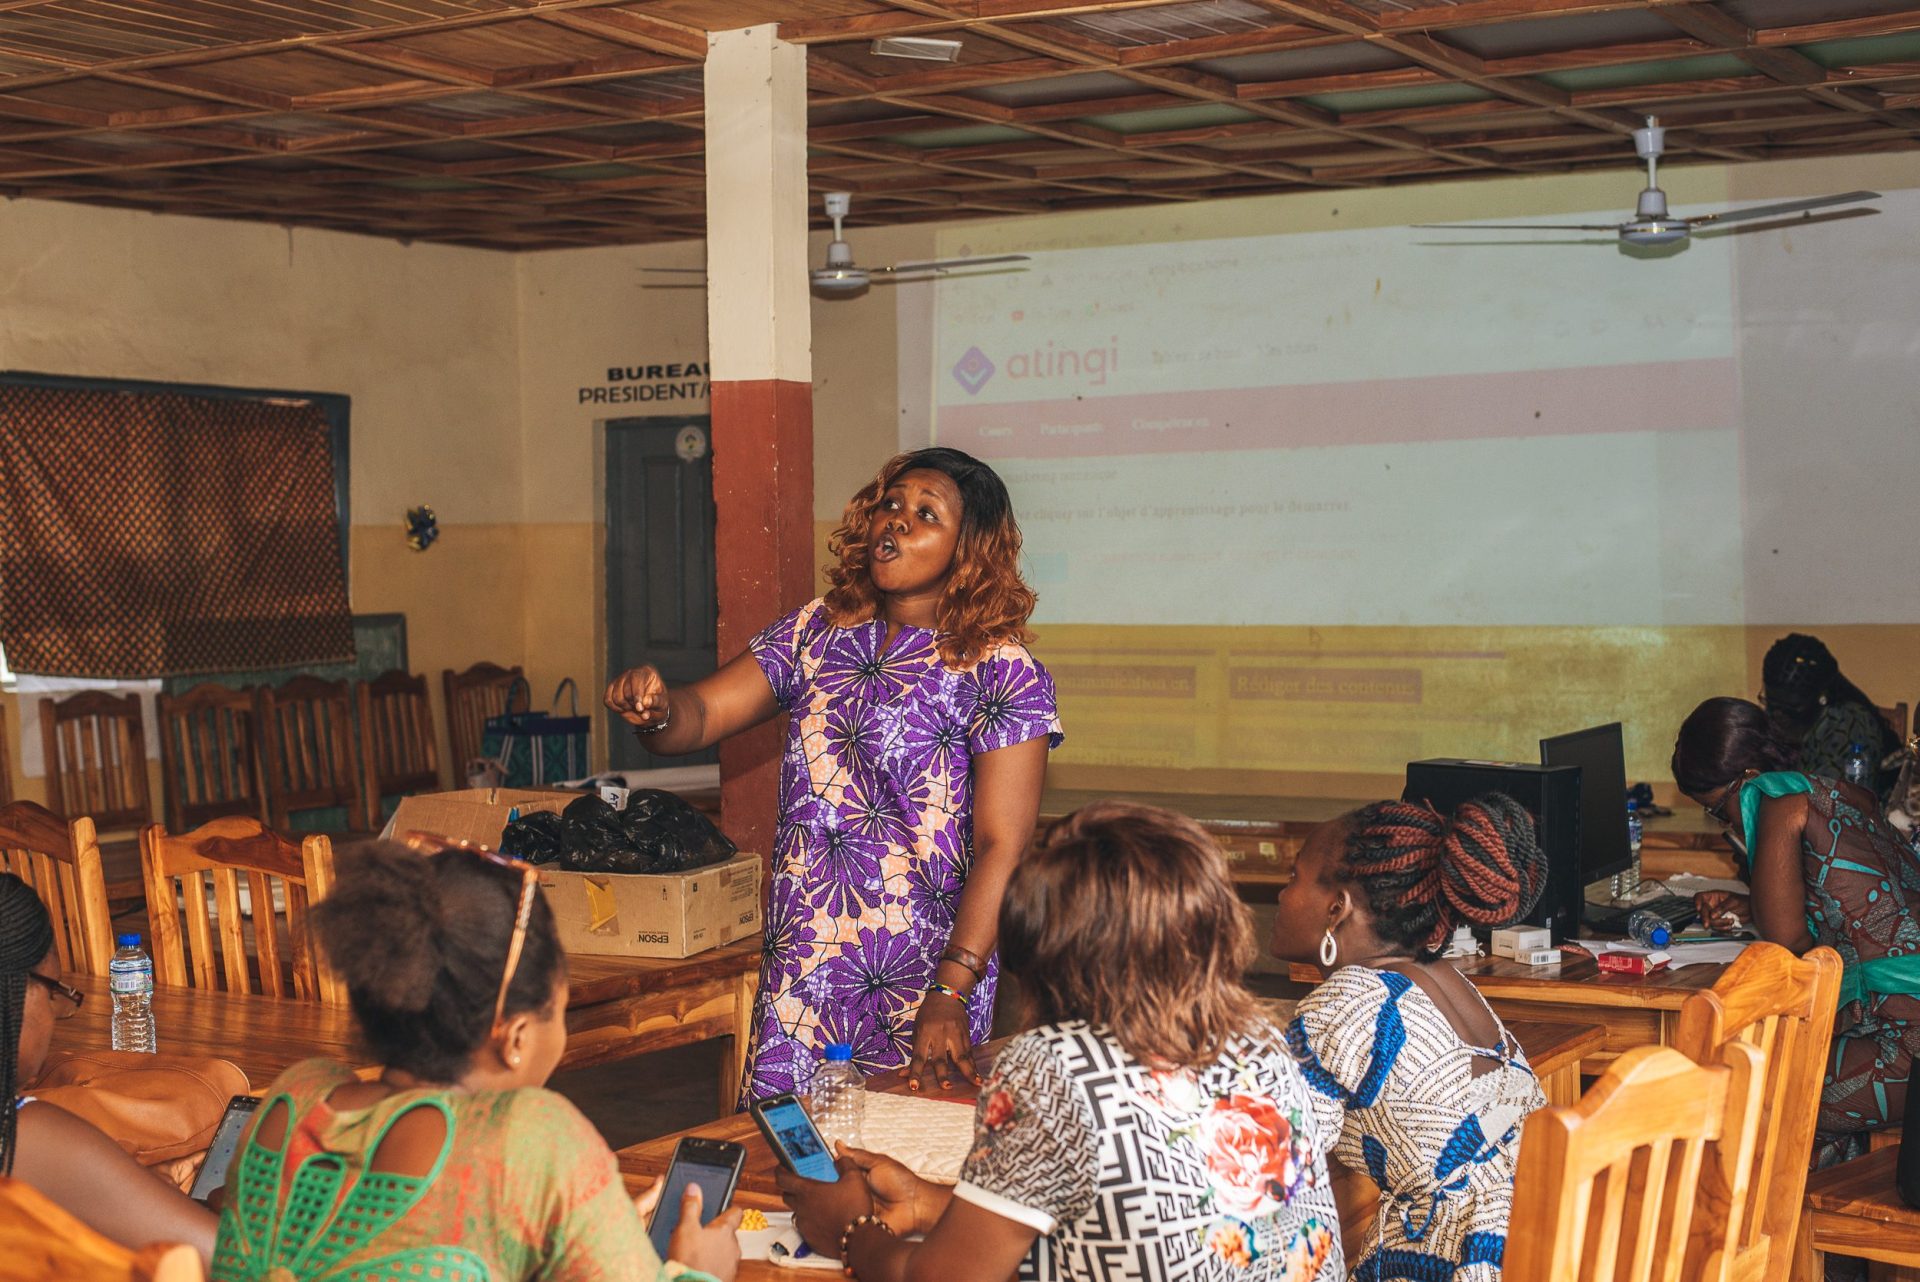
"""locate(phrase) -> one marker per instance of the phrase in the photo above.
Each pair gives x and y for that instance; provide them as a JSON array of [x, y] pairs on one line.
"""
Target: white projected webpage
[[1354, 428]]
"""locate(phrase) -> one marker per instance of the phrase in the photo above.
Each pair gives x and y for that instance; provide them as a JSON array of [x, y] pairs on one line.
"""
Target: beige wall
[[423, 339], [466, 370]]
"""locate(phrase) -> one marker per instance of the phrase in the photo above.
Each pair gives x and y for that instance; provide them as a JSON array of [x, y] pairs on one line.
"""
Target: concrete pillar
[[760, 343]]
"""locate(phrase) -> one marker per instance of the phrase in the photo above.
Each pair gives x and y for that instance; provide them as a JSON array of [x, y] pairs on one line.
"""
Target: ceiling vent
[[925, 48]]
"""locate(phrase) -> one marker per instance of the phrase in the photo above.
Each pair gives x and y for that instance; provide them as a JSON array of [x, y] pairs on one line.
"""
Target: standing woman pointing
[[911, 779]]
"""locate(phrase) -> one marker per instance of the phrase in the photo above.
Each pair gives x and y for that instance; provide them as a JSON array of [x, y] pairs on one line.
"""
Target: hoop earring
[[1329, 950]]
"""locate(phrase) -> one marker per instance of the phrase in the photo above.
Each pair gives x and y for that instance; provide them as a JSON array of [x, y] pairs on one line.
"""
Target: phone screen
[[226, 1142], [794, 1133], [714, 1175]]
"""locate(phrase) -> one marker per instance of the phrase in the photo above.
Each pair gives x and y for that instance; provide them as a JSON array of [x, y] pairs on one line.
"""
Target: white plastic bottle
[[130, 975], [839, 1103]]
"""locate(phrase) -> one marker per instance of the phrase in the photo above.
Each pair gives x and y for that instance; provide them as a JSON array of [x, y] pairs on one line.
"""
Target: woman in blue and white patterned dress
[[1408, 1067]]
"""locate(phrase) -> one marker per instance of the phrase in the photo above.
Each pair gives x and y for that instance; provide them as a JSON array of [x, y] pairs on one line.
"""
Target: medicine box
[[1516, 942]]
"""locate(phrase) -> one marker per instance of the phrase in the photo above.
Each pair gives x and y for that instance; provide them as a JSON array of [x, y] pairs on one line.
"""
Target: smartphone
[[796, 1141], [712, 1164], [226, 1142]]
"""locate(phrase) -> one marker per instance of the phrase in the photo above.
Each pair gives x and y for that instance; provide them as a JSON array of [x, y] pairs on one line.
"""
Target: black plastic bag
[[658, 832], [534, 838]]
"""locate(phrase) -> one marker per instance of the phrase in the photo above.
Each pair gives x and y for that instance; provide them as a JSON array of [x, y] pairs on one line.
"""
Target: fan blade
[[1789, 223], [1517, 226], [944, 264], [693, 271], [1784, 207]]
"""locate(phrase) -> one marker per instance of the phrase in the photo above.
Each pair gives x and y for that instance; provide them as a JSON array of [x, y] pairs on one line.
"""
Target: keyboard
[[1612, 919]]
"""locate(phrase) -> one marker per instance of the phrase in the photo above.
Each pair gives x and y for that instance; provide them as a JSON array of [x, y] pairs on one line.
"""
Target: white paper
[[1679, 956], [1687, 885]]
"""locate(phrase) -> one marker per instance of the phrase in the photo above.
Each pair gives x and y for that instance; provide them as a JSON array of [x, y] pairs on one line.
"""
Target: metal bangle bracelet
[[664, 723]]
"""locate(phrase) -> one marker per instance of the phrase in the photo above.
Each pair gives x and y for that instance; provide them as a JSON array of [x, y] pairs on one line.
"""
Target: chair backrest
[[61, 861], [6, 759], [1608, 1189], [96, 757], [209, 755], [398, 755], [228, 852], [1784, 1005], [472, 696], [42, 1242], [1896, 719], [307, 750]]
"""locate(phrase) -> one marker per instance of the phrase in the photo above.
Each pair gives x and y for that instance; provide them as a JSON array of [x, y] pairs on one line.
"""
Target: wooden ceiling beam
[[629, 28], [1884, 24], [1705, 22]]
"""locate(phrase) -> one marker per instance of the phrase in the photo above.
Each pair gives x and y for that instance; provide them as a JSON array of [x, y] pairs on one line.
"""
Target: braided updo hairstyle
[[1423, 874], [421, 941], [26, 937]]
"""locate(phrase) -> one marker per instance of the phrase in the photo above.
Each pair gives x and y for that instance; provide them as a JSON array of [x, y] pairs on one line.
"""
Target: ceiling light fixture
[[925, 48]]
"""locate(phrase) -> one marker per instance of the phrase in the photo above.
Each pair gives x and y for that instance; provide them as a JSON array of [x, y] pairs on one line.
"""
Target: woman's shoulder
[[310, 1079], [1351, 988]]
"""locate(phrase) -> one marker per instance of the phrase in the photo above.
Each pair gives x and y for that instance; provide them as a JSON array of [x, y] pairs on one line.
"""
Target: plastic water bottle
[[130, 975], [1634, 831], [1650, 930], [839, 1103], [1857, 765]]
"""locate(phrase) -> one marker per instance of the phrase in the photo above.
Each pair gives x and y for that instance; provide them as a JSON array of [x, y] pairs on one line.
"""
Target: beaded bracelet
[[947, 990], [965, 957], [854, 1225]]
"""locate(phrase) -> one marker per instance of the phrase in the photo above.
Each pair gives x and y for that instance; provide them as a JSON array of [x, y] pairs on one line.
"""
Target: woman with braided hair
[[70, 1161], [1816, 708], [1408, 1067]]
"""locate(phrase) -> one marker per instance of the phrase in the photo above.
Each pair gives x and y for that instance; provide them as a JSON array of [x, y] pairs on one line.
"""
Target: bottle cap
[[131, 940], [1660, 936], [839, 1053]]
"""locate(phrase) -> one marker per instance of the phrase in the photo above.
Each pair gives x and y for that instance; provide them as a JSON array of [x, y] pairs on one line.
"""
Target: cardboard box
[[604, 914], [476, 816], [647, 915], [1517, 942], [1622, 963]]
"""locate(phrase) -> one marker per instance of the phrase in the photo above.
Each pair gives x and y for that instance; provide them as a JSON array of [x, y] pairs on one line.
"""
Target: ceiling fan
[[841, 277], [1651, 224]]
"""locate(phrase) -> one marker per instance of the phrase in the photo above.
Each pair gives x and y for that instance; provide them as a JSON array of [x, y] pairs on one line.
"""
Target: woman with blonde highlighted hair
[[911, 780]]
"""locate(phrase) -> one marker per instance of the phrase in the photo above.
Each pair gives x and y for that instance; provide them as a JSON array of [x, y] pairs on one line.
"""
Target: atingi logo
[[973, 370]]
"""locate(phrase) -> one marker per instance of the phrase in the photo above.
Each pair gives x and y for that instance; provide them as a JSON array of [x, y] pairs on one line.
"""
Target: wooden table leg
[[1809, 1265], [1562, 1087], [733, 1059]]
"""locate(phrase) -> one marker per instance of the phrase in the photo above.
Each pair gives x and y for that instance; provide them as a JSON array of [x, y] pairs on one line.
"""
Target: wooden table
[[1632, 1011], [1261, 835], [1852, 1209], [263, 1035], [1554, 1050], [617, 1007]]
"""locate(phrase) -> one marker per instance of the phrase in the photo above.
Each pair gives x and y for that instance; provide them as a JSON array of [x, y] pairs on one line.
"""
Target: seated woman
[[1824, 867], [1153, 1126], [1415, 1080], [453, 1162], [69, 1160], [1820, 712]]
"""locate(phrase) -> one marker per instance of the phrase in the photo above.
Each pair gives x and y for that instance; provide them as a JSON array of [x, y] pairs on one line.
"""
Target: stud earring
[[1329, 950], [513, 1061]]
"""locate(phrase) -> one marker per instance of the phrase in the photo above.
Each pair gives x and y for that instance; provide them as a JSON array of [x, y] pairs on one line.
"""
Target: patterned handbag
[[539, 749]]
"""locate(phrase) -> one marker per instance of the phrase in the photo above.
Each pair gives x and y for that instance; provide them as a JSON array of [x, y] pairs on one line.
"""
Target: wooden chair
[[42, 1242], [226, 851], [306, 751], [398, 756], [96, 754], [209, 755], [1783, 1005], [472, 696], [6, 759], [61, 861], [1609, 1189]]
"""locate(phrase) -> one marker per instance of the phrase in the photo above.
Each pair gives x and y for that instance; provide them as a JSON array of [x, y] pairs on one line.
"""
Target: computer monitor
[[1602, 759]]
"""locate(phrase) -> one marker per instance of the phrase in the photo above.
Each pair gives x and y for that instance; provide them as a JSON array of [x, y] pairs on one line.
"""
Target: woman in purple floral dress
[[911, 780]]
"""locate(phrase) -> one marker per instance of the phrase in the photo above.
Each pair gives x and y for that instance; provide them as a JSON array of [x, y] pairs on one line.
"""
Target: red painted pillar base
[[763, 545]]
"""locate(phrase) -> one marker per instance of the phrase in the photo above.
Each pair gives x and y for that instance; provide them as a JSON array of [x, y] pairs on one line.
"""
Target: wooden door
[[660, 577]]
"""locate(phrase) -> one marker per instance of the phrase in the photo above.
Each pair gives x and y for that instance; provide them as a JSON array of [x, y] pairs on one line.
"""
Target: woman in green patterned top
[[454, 1163]]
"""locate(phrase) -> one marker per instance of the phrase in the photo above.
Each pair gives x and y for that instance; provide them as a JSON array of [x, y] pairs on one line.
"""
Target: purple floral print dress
[[876, 833]]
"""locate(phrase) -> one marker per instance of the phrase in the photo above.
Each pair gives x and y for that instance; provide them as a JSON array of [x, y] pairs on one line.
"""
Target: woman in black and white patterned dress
[[1154, 1128], [1415, 1080]]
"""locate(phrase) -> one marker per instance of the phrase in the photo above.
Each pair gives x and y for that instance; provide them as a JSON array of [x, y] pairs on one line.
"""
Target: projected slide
[[1330, 501]]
